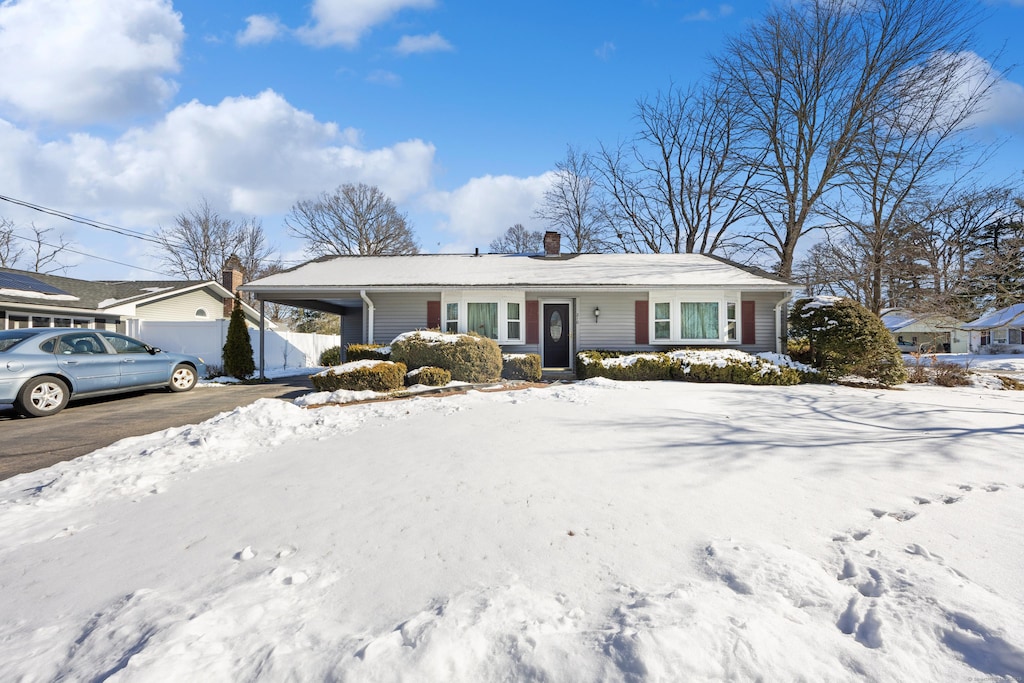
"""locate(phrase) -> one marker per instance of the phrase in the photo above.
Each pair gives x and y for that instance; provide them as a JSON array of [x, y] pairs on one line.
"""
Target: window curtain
[[699, 321], [482, 319]]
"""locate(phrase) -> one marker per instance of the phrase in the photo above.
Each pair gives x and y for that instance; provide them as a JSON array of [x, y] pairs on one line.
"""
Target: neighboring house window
[[986, 338], [495, 315], [687, 317], [201, 313], [1014, 337], [999, 336]]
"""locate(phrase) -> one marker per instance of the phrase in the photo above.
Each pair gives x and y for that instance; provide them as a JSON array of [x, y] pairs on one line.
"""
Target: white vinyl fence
[[206, 338]]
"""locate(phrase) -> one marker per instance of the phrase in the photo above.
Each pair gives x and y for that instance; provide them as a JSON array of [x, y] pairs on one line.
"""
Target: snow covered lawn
[[599, 531]]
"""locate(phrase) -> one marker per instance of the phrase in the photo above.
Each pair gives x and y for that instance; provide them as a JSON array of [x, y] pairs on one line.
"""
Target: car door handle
[[69, 362], [127, 360]]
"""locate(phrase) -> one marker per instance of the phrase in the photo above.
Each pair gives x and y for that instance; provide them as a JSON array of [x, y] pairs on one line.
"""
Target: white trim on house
[[669, 331]]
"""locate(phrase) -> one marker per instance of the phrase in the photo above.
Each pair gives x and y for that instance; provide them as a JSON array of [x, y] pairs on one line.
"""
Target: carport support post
[[263, 324]]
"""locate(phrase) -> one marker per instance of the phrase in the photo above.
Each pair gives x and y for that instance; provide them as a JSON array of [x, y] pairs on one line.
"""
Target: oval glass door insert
[[556, 326]]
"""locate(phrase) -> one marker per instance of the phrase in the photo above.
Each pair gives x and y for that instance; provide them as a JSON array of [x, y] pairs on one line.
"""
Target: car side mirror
[[152, 350]]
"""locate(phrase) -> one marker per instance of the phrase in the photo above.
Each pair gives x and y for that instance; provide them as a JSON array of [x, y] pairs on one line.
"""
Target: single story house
[[925, 332], [551, 304], [30, 299], [1004, 327]]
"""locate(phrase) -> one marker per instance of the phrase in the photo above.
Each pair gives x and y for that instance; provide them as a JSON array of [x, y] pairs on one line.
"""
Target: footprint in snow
[[246, 553], [992, 488]]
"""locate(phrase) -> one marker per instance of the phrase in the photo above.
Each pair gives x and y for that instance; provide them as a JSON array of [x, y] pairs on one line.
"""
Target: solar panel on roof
[[25, 283]]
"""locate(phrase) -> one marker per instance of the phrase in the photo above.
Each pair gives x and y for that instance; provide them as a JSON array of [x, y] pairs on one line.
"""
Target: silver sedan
[[42, 368]]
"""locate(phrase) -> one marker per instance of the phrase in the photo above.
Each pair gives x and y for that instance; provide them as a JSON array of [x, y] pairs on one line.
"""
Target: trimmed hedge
[[620, 366], [716, 365], [844, 338], [468, 357], [383, 376], [354, 352], [521, 366], [331, 357], [428, 375]]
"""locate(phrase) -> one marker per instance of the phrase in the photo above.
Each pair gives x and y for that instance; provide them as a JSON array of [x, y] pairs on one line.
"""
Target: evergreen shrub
[[468, 357], [383, 376], [331, 356], [237, 351], [428, 375], [354, 352], [521, 366], [845, 338], [731, 367], [617, 365]]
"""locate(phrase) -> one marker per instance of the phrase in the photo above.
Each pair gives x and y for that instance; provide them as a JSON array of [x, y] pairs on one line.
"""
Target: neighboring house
[[1004, 327], [552, 304], [36, 300], [916, 332]]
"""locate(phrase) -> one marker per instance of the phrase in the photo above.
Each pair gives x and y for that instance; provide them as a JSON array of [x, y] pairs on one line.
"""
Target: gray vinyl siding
[[614, 329], [183, 307], [353, 330], [395, 313]]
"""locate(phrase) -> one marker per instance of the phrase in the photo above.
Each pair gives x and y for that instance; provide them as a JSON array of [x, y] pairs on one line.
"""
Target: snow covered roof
[[519, 270], [1011, 315], [896, 319]]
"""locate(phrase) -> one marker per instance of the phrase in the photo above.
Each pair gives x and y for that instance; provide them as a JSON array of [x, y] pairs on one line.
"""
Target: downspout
[[369, 315], [779, 339]]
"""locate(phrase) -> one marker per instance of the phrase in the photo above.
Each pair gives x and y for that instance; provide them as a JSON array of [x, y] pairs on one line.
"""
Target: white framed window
[[201, 313], [694, 317], [492, 314]]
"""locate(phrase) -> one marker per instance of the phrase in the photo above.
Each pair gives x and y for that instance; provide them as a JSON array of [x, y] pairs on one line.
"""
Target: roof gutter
[[369, 315]]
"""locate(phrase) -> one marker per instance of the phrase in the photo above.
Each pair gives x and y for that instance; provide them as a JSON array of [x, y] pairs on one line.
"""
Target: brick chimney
[[552, 243], [231, 278]]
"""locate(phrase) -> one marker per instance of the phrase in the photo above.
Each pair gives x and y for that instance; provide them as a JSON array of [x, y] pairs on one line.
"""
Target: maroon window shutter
[[747, 322], [532, 323], [433, 315], [642, 323]]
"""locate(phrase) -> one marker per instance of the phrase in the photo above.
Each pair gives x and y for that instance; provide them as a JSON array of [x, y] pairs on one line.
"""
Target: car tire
[[183, 378], [42, 396]]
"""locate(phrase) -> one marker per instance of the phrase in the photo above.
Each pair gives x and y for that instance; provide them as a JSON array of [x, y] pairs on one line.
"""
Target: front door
[[556, 335]]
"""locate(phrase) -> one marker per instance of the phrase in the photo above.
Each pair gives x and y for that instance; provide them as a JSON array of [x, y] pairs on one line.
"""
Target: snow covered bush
[[361, 375], [844, 338], [729, 366], [331, 357], [521, 366], [468, 357], [428, 375], [367, 352], [623, 366]]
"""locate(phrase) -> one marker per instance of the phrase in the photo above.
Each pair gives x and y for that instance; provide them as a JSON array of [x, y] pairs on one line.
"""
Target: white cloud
[[606, 51], [384, 77], [343, 22], [434, 42], [486, 207], [260, 29], [87, 62], [248, 155], [705, 14]]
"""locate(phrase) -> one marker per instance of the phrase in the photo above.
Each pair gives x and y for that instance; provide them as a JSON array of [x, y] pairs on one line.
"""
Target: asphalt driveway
[[28, 444]]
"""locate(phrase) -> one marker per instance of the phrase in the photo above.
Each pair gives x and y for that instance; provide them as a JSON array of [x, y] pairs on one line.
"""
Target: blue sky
[[129, 111]]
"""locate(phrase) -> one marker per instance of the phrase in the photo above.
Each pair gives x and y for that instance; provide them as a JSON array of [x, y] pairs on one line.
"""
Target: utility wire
[[125, 232], [92, 256]]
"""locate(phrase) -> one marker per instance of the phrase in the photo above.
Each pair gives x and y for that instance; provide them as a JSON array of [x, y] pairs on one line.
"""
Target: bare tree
[[352, 220], [10, 252], [201, 242], [915, 136], [677, 186], [810, 79], [572, 206], [518, 240]]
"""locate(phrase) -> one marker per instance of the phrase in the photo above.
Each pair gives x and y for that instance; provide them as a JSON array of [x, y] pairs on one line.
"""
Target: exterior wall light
[[597, 313]]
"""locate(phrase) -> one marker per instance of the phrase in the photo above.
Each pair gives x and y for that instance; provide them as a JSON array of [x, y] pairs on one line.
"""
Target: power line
[[82, 253], [124, 232]]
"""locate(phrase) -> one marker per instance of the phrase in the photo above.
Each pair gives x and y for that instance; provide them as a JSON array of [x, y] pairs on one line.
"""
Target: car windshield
[[11, 338]]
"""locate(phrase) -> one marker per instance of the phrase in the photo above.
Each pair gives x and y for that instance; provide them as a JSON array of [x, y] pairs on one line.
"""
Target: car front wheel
[[183, 378], [42, 396]]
